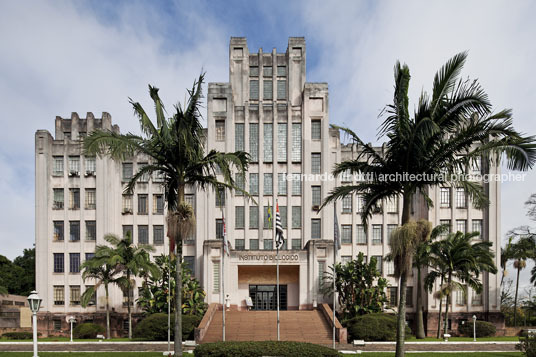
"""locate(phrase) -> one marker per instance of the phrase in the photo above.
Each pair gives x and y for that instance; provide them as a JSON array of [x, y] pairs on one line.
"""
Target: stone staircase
[[300, 326]]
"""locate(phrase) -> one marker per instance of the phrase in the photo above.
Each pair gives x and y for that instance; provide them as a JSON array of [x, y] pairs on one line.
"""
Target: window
[[461, 201], [240, 218], [158, 176], [74, 198], [461, 296], [315, 228], [445, 197], [57, 323], [379, 265], [220, 197], [74, 262], [268, 89], [477, 227], [74, 165], [392, 205], [254, 89], [346, 176], [220, 130], [316, 130], [282, 139], [58, 230], [476, 166], [267, 221], [93, 299], [390, 268], [190, 263], [296, 142], [90, 256], [360, 203], [284, 215], [128, 230], [142, 204], [58, 199], [158, 204], [361, 236], [240, 244], [268, 184], [321, 271], [345, 259], [128, 170], [296, 217], [91, 198], [390, 229], [254, 184], [254, 141], [59, 263], [59, 295], [409, 296], [461, 225], [74, 231], [296, 244], [57, 168], [239, 182], [282, 184], [145, 176], [143, 234], [296, 185], [91, 165], [377, 234], [91, 230], [127, 204], [347, 204], [346, 233], [281, 89], [316, 195], [268, 244], [253, 217], [158, 235], [477, 299], [254, 244], [268, 142], [267, 71], [315, 163], [445, 222], [239, 137], [254, 71], [392, 298], [219, 228], [281, 71]]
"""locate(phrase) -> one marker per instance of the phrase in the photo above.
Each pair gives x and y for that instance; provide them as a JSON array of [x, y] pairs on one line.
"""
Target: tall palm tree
[[522, 250], [506, 256], [130, 260], [177, 149], [450, 129]]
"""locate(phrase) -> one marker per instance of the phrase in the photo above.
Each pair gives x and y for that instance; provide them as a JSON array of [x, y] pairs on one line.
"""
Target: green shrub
[[20, 335], [527, 345], [154, 327], [262, 348], [373, 327], [88, 330], [483, 329]]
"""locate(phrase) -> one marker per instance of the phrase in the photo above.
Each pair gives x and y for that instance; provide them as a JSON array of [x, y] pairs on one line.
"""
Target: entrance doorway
[[264, 297]]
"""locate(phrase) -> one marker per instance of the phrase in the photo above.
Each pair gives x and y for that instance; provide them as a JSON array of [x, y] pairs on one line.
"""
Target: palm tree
[[506, 256], [522, 250], [177, 148], [450, 129], [131, 260]]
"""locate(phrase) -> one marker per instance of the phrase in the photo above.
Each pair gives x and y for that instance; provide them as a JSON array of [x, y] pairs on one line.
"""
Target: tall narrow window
[[239, 137], [143, 234], [240, 219], [409, 296], [361, 236], [321, 271], [128, 171], [74, 262], [74, 198], [379, 263], [296, 142], [127, 204], [142, 204], [220, 130], [461, 225], [128, 231], [240, 183], [346, 176], [315, 228], [461, 201], [268, 184], [316, 195], [445, 196], [392, 205], [316, 165], [296, 216], [58, 199], [347, 204], [268, 142], [91, 198], [284, 215], [158, 204], [296, 185], [346, 233], [74, 165], [267, 219], [360, 203], [376, 234], [91, 166], [254, 141], [59, 264], [477, 227], [281, 89], [57, 169], [316, 130], [268, 89], [220, 197], [282, 184], [58, 231], [282, 138], [219, 228], [476, 166], [445, 222], [390, 229], [158, 234], [59, 295], [144, 177], [254, 184], [91, 230], [254, 89], [74, 231], [253, 217]]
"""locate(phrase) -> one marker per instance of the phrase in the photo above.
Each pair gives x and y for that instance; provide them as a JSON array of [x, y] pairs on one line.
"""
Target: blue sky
[[60, 57]]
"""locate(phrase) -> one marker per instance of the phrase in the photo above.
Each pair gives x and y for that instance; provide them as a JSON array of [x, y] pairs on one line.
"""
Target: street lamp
[[35, 302], [474, 328], [71, 320]]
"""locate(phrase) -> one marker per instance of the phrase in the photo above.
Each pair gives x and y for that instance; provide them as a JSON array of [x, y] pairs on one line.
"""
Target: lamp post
[[71, 320], [35, 302], [474, 328]]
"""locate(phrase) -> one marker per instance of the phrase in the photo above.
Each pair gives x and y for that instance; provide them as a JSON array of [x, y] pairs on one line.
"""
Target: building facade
[[269, 110]]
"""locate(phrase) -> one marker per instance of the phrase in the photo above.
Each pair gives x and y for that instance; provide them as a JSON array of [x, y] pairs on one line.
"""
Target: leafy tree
[[359, 285], [522, 250], [177, 149], [18, 277], [450, 130], [3, 291]]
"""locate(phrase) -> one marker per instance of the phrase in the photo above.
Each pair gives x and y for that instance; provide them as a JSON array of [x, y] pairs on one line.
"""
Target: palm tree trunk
[[128, 306], [446, 321], [401, 317], [440, 310], [177, 345], [515, 298], [420, 323], [107, 311]]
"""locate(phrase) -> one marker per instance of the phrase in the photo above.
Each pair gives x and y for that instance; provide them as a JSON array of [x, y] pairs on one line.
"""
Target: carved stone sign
[[268, 257]]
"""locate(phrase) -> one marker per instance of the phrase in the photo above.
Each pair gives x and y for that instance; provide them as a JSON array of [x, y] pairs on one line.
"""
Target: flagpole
[[334, 270], [277, 276]]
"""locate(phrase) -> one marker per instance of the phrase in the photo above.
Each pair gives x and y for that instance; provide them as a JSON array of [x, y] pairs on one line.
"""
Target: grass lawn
[[467, 339], [154, 354], [64, 339]]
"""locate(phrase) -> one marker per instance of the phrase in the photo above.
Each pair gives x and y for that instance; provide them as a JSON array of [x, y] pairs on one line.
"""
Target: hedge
[[88, 330], [373, 327], [483, 329], [262, 348], [21, 335], [154, 327]]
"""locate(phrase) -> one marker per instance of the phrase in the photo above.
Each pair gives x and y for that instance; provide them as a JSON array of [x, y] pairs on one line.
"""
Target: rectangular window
[[254, 89], [74, 165], [296, 185], [219, 228], [379, 263], [91, 230], [142, 204], [281, 89], [346, 233], [253, 217], [296, 217], [268, 244], [390, 268], [158, 234], [57, 168], [346, 176], [268, 89], [240, 244], [239, 137], [128, 230], [74, 231], [267, 71], [476, 166], [316, 129], [58, 199], [316, 165], [240, 183], [284, 215], [268, 184], [476, 299], [58, 230], [461, 297], [254, 71], [59, 295], [254, 244], [254, 184], [59, 263], [461, 201], [390, 229], [144, 177], [392, 205], [128, 171], [296, 142], [158, 204], [282, 184], [377, 234], [74, 198], [240, 218], [445, 222], [90, 256], [461, 225], [143, 234], [268, 132], [321, 271], [409, 296], [316, 194], [360, 202], [477, 227], [392, 296], [220, 197], [282, 139], [254, 141], [347, 204], [91, 198], [91, 166], [158, 176], [127, 204], [281, 71], [445, 197], [315, 228], [361, 236], [296, 244], [220, 130], [267, 223], [74, 262], [190, 263]]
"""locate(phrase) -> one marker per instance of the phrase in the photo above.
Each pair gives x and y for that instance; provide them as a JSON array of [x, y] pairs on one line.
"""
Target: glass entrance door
[[264, 297]]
